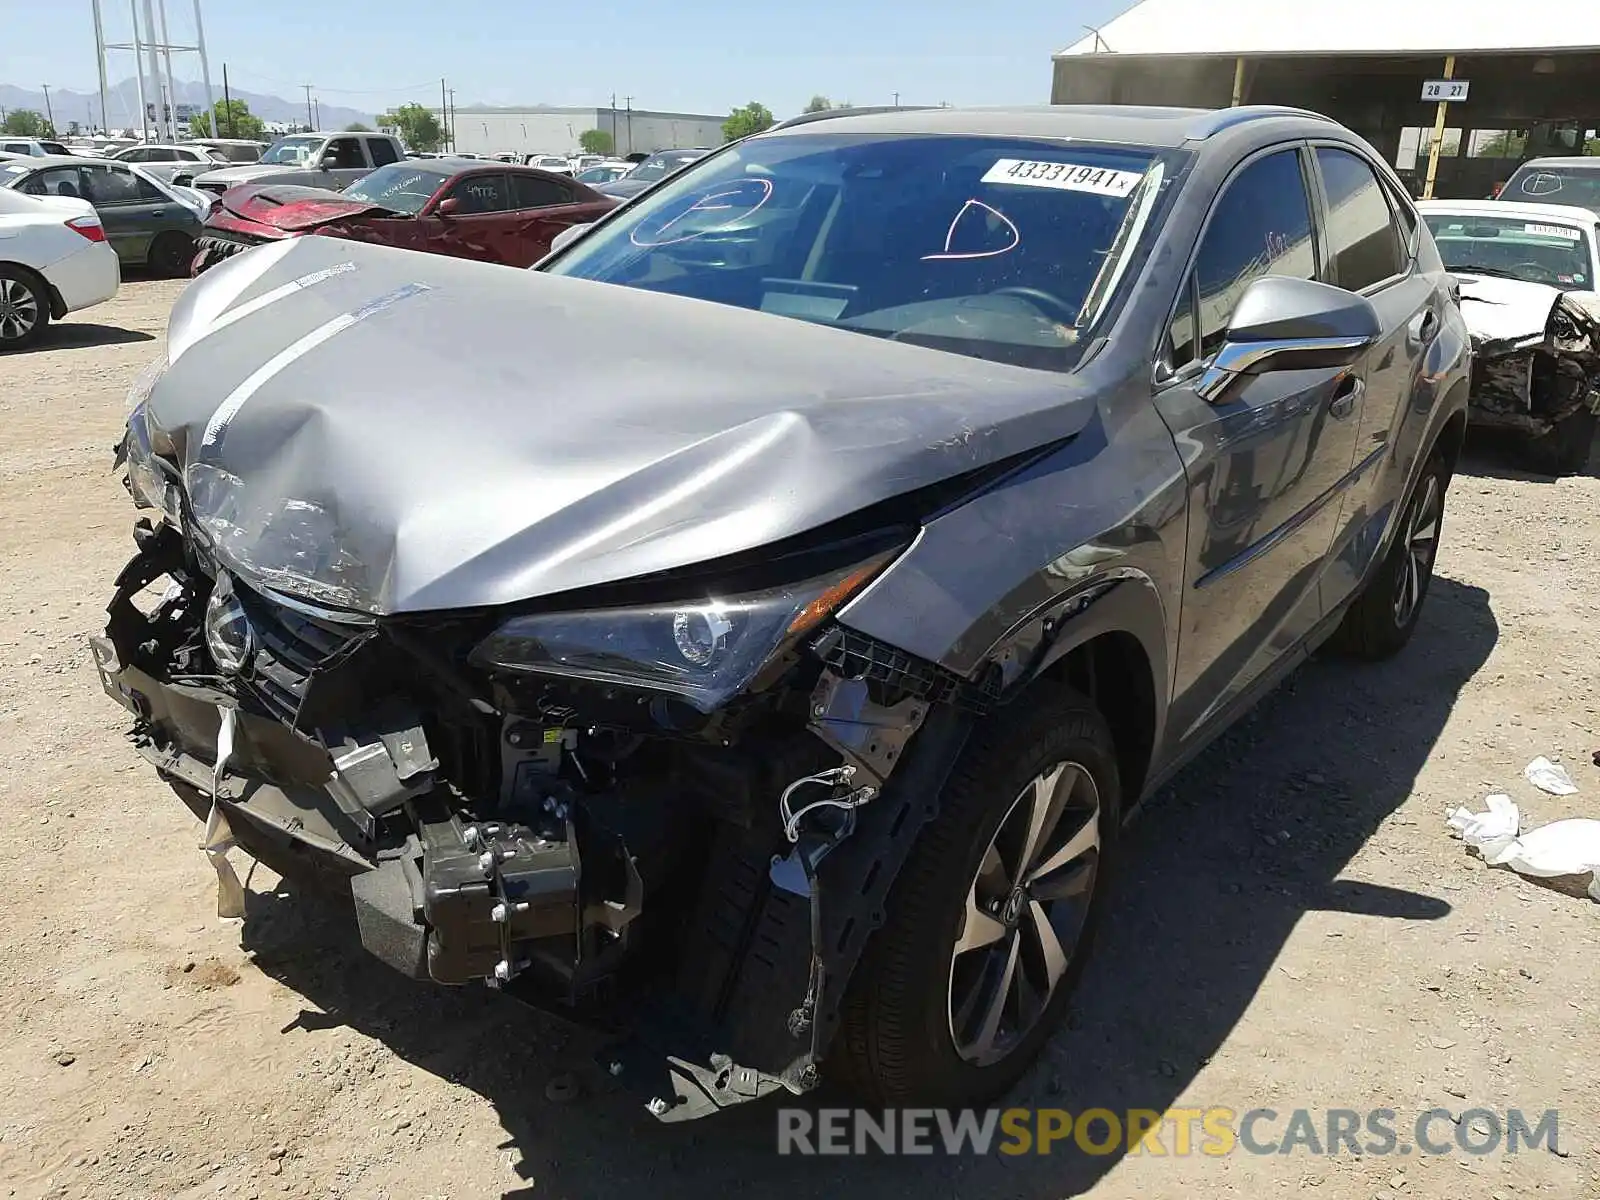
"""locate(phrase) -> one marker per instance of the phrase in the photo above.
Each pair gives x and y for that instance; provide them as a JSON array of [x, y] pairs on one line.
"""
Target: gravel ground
[[1292, 929]]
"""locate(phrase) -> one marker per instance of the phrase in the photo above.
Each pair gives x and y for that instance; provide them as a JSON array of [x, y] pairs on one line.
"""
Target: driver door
[[476, 227], [1264, 459]]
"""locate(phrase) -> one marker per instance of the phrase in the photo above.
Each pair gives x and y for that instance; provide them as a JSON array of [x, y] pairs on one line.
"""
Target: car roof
[[1570, 163], [1167, 128], [1510, 208]]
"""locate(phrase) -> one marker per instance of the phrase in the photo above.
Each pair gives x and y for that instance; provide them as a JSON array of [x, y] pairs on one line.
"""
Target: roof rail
[[1213, 123], [829, 113]]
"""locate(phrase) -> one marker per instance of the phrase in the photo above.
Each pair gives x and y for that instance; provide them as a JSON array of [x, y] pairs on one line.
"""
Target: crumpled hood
[[290, 208], [453, 434], [1501, 313]]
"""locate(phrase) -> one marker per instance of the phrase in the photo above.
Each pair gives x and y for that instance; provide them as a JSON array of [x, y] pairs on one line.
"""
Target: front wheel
[[171, 254], [1565, 449], [990, 924], [1382, 618]]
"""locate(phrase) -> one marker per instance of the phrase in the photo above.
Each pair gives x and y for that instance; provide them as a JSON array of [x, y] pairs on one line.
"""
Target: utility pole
[[614, 138], [897, 99], [453, 145], [172, 84], [138, 70], [444, 116], [318, 103], [48, 115], [100, 47], [629, 100], [227, 100], [307, 87], [205, 66]]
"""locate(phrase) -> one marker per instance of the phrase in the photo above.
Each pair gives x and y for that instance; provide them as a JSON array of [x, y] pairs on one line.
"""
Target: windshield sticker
[[1066, 177], [1541, 183], [1555, 231], [978, 230]]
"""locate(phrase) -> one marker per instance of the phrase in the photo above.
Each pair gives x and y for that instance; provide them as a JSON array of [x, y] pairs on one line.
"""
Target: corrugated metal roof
[[1269, 27]]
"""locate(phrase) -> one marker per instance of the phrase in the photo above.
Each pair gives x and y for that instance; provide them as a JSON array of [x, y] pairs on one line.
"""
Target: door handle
[[1424, 327], [160, 212], [1344, 400]]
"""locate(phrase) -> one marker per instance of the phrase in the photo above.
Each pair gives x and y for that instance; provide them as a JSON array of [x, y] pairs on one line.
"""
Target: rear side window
[[108, 186], [57, 181], [1260, 227], [529, 191], [382, 151], [481, 194], [344, 154], [1364, 245]]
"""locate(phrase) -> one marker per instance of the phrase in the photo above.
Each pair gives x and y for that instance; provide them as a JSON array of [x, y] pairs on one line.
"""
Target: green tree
[[234, 120], [24, 122], [819, 103], [742, 122], [597, 141], [419, 128], [357, 127]]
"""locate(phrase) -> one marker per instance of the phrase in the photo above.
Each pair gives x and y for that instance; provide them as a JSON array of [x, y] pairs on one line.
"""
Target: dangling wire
[[834, 777]]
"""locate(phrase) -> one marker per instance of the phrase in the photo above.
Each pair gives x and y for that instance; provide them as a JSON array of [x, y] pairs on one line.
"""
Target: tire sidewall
[[1435, 469], [40, 297], [1080, 736]]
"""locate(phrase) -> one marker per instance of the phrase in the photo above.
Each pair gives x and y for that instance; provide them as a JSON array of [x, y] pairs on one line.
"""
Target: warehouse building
[[542, 129], [1519, 80]]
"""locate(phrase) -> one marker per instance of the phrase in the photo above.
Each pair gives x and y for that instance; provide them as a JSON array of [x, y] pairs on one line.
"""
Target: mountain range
[[122, 104]]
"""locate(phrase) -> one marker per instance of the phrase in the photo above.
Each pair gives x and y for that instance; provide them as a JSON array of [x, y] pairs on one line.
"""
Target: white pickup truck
[[325, 160]]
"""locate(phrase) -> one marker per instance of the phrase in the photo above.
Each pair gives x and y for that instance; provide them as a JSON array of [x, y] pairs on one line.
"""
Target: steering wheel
[[1053, 305], [1544, 274]]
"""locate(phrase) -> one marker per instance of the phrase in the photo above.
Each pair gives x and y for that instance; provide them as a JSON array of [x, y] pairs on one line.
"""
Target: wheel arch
[[58, 306]]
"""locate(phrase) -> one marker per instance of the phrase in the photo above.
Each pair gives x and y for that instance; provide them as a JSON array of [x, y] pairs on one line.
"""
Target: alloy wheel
[[1025, 913], [19, 310], [1420, 542]]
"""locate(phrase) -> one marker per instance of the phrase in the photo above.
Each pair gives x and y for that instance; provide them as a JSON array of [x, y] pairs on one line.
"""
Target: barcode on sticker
[[1557, 231], [1066, 177]]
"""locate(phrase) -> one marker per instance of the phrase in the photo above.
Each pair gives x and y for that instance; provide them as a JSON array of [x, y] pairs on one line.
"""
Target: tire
[[911, 1028], [1381, 619], [24, 307], [171, 253], [1565, 449]]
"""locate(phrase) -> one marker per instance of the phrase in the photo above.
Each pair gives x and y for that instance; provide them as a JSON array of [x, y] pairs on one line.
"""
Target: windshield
[[1554, 185], [994, 248], [400, 187], [1551, 252], [293, 150], [601, 174]]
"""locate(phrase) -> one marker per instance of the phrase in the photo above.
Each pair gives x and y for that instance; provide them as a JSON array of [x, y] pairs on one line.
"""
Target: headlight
[[704, 652], [151, 485], [294, 545]]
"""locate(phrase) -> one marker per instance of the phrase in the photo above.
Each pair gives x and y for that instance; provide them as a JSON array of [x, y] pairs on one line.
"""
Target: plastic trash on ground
[[1549, 777], [1561, 848]]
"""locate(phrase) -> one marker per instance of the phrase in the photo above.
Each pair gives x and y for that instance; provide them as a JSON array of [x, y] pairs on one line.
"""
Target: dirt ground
[[1293, 928]]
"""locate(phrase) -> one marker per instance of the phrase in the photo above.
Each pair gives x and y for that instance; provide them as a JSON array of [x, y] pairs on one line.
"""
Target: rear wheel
[[1565, 449], [1380, 621], [171, 254], [990, 924], [24, 307]]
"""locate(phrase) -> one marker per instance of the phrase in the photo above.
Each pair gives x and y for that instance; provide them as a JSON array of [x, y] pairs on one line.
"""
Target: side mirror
[[569, 235], [448, 207], [1289, 325]]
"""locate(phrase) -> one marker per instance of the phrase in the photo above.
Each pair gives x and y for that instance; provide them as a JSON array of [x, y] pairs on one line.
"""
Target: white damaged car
[[1528, 274], [54, 259]]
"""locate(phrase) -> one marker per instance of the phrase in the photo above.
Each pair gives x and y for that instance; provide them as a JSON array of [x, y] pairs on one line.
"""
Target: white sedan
[[54, 259]]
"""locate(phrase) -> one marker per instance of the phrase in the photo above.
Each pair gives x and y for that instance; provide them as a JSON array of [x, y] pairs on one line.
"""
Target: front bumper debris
[[1530, 384]]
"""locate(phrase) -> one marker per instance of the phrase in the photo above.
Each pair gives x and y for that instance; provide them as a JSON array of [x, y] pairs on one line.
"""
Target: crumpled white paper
[[1549, 777], [219, 836], [1570, 847]]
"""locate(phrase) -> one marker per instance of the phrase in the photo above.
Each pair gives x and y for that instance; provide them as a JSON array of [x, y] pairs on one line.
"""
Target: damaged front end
[[1536, 354], [675, 809]]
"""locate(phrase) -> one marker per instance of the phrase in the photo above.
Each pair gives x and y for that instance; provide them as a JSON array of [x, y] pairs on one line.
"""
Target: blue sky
[[686, 55]]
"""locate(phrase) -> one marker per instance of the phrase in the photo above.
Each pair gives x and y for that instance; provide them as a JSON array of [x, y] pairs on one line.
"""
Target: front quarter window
[[994, 248]]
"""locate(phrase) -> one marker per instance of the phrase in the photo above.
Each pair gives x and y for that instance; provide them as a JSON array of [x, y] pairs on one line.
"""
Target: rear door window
[[344, 154], [382, 151], [529, 191], [108, 186], [1363, 242], [57, 181]]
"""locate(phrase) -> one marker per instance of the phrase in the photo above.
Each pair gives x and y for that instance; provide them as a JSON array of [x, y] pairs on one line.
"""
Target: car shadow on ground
[[1495, 455], [1215, 875], [75, 335]]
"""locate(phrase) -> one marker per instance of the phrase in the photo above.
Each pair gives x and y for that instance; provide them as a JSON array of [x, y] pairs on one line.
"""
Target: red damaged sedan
[[463, 207]]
